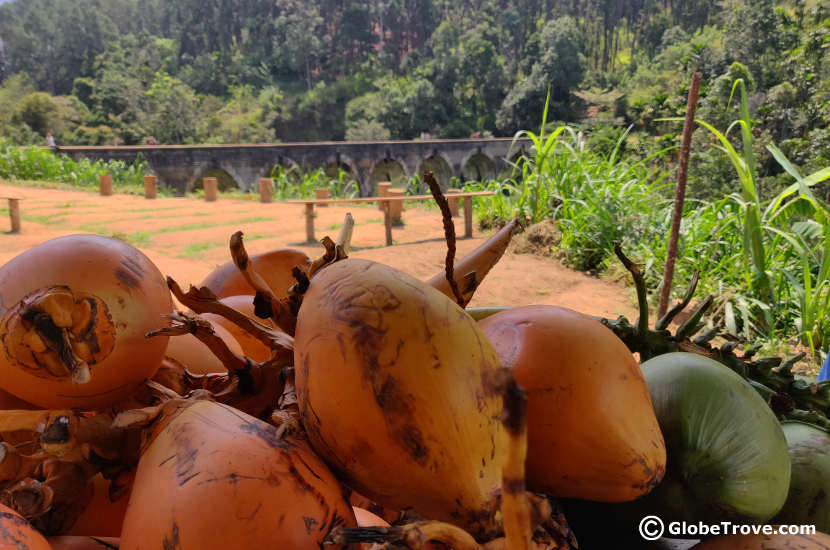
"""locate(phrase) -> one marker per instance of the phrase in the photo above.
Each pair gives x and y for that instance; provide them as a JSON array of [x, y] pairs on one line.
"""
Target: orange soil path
[[187, 237]]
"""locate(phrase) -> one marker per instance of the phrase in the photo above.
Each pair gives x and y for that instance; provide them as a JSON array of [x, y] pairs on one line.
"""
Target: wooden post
[[383, 188], [387, 221], [266, 190], [309, 222], [14, 214], [150, 187], [211, 186], [321, 194], [468, 217], [105, 185], [453, 201], [396, 207]]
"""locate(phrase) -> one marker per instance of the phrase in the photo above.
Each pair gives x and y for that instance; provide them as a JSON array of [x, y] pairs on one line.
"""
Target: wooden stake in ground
[[680, 195]]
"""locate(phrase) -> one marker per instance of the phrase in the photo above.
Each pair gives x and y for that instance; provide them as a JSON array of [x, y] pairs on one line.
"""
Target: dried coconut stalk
[[255, 393], [13, 465], [471, 270], [639, 284], [449, 233], [182, 323], [266, 304], [344, 241], [203, 300], [243, 263], [329, 256]]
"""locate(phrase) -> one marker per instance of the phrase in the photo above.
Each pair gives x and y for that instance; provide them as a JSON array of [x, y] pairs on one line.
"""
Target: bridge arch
[[284, 164], [240, 176], [225, 179], [334, 164], [477, 167], [440, 167], [284, 168], [510, 166], [388, 169]]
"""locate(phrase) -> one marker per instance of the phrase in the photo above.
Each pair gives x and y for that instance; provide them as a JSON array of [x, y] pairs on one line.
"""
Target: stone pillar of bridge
[[364, 176], [411, 163], [455, 159]]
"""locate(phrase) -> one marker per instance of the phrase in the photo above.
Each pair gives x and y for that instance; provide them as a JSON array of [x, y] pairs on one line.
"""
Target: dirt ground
[[187, 237]]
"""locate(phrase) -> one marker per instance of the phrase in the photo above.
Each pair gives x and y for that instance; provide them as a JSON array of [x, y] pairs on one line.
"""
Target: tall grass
[[767, 261], [36, 163], [596, 199], [781, 279], [292, 183]]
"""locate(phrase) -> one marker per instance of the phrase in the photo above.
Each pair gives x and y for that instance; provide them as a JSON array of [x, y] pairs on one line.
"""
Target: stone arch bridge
[[181, 167]]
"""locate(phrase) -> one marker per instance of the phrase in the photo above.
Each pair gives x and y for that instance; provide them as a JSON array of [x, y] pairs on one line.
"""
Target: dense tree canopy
[[121, 71]]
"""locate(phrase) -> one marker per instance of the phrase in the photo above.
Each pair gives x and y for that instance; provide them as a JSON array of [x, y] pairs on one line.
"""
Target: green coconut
[[808, 502], [727, 457]]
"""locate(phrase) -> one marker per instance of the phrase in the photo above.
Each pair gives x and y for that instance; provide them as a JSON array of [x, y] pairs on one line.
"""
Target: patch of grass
[[334, 226], [94, 227], [42, 220], [153, 209], [195, 250], [373, 220], [155, 217], [138, 239], [206, 225], [94, 224], [48, 206]]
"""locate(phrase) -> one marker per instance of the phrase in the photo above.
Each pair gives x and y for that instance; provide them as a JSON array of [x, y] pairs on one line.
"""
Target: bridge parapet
[[179, 167]]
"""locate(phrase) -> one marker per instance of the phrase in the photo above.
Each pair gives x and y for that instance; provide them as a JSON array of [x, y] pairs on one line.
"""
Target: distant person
[[152, 141], [50, 140]]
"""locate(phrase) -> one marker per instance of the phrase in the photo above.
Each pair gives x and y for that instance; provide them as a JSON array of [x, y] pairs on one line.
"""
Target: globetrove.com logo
[[652, 528]]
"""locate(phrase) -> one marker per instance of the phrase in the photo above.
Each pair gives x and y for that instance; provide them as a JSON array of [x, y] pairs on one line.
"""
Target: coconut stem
[[477, 264], [515, 508], [203, 300], [31, 421], [640, 285], [14, 465], [243, 263], [266, 303], [449, 234], [691, 326], [412, 535], [664, 321], [344, 241], [182, 323], [329, 256]]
